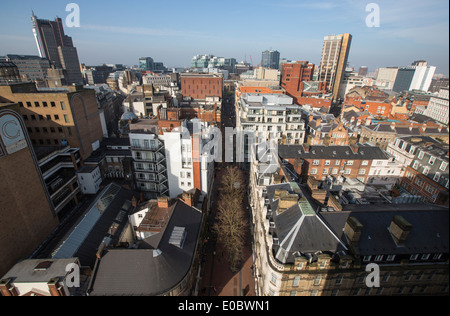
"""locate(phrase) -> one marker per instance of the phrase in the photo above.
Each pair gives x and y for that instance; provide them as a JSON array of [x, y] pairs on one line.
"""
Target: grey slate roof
[[299, 229], [365, 151], [429, 233], [144, 272]]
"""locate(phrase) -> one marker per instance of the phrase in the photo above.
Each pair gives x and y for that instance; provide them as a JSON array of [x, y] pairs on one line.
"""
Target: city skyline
[[123, 34]]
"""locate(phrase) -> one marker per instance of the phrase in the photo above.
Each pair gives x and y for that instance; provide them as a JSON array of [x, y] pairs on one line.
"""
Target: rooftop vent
[[178, 236], [42, 266]]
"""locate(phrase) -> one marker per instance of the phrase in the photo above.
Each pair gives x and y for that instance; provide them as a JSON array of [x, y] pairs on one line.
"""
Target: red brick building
[[320, 161], [198, 86], [296, 79]]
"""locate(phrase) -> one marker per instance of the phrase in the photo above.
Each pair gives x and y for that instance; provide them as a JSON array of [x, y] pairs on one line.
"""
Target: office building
[[27, 216], [67, 116], [31, 68], [335, 52], [438, 107], [418, 76], [271, 114], [9, 73], [167, 156], [199, 86], [270, 59], [53, 44]]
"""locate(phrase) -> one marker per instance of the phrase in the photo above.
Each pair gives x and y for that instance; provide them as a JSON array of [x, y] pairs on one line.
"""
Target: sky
[[174, 31]]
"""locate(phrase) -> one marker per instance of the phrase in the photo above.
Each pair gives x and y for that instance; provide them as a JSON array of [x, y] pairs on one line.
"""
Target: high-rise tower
[[334, 58], [57, 47]]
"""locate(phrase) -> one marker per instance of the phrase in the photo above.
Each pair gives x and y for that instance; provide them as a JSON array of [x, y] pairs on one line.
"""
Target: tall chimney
[[163, 202], [188, 198], [400, 229], [353, 229], [7, 289]]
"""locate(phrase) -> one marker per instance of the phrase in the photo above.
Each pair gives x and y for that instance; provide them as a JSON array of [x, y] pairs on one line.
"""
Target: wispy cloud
[[143, 31], [8, 37]]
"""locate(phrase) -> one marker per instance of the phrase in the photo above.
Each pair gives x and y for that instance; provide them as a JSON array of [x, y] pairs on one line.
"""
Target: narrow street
[[217, 278]]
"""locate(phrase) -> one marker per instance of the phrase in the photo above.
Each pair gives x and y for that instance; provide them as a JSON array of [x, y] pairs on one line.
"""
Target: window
[[52, 104], [386, 277], [362, 171], [66, 118], [390, 258], [425, 256], [347, 171], [44, 104], [350, 163], [437, 176], [29, 104], [367, 258], [317, 280], [325, 171], [36, 104], [443, 166], [63, 106], [315, 162], [426, 170], [365, 163], [327, 162], [313, 171], [431, 161], [379, 258], [413, 257], [337, 162], [421, 153], [339, 279], [56, 117], [335, 171], [296, 281], [274, 279], [430, 189], [416, 165]]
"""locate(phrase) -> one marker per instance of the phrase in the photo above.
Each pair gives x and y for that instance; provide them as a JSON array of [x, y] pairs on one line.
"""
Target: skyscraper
[[57, 47], [334, 58], [270, 59]]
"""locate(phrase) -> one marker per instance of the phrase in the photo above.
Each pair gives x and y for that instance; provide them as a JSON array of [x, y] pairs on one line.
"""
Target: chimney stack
[[400, 229], [353, 229], [163, 202], [188, 198], [7, 289]]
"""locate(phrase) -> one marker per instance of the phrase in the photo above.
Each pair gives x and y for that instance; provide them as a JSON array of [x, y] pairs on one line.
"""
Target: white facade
[[422, 77], [385, 172], [271, 113], [386, 78], [438, 107], [89, 180]]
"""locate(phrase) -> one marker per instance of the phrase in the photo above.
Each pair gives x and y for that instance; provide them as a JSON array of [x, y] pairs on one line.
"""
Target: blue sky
[[174, 31]]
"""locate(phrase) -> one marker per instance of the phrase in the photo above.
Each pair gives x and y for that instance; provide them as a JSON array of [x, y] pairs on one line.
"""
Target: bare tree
[[231, 218]]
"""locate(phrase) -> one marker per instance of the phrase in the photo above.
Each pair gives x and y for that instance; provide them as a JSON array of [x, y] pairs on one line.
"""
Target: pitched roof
[[331, 152], [429, 233], [145, 272], [298, 228]]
